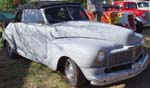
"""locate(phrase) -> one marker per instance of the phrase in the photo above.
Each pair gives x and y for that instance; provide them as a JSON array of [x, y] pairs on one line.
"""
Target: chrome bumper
[[109, 78]]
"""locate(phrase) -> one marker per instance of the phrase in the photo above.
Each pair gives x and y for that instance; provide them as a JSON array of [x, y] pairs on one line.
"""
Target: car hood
[[95, 30]]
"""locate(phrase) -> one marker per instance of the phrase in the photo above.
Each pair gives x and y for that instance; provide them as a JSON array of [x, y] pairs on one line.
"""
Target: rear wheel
[[73, 74]]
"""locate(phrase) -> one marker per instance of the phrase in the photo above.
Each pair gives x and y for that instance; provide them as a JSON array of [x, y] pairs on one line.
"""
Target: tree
[[9, 5], [5, 5]]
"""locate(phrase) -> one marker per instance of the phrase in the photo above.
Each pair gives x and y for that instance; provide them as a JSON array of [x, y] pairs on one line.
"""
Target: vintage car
[[131, 6], [60, 36], [112, 15], [143, 5]]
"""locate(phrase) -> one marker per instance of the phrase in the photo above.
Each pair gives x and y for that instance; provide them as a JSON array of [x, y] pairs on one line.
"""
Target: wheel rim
[[69, 70]]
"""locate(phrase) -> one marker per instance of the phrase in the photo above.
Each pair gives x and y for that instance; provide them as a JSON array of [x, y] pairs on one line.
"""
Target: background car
[[112, 15]]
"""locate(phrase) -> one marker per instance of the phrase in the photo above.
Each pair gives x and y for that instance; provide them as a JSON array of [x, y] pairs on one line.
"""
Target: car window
[[77, 13], [32, 16], [143, 4], [65, 13], [131, 5], [57, 14]]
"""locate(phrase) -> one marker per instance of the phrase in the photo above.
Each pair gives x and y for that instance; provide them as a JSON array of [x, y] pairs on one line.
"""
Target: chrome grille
[[137, 51], [123, 57]]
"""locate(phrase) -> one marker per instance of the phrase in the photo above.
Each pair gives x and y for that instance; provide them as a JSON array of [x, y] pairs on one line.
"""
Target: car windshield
[[148, 3], [65, 13], [143, 4], [131, 6]]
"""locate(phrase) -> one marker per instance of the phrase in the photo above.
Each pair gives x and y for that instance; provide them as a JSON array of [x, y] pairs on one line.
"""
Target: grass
[[21, 73], [27, 74]]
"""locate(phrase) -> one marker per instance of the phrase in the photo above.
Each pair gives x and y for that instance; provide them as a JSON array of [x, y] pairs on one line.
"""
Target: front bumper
[[108, 78]]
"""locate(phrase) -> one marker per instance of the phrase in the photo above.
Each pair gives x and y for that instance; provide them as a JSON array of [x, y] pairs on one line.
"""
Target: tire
[[73, 74], [10, 51]]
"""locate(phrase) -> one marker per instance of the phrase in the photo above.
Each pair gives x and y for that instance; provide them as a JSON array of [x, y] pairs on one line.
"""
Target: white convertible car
[[59, 35]]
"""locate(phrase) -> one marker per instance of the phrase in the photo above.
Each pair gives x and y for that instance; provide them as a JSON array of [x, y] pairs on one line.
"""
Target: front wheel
[[73, 74], [10, 50]]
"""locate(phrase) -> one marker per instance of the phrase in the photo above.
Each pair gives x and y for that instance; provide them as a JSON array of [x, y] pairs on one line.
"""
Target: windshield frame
[[67, 10]]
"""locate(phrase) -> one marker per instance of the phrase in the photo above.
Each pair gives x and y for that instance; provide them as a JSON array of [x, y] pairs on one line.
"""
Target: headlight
[[101, 58]]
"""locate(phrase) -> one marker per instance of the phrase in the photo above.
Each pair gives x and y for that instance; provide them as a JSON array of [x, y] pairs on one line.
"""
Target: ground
[[22, 73]]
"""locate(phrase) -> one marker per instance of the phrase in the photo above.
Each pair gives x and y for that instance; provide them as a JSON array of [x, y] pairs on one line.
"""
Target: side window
[[57, 14], [18, 16], [32, 16], [61, 13], [131, 6]]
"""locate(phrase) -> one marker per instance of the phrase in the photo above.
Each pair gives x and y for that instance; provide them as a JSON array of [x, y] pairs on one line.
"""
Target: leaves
[[8, 5], [5, 5]]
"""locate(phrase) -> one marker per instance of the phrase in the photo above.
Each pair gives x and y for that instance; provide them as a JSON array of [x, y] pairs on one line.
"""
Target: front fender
[[140, 20], [82, 57], [81, 50]]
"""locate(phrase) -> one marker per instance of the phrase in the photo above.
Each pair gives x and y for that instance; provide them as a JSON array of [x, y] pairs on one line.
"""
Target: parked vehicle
[[59, 35], [112, 15], [144, 5], [132, 7]]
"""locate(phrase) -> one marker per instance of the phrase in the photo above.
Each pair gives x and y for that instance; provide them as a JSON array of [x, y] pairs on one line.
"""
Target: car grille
[[131, 21], [124, 57]]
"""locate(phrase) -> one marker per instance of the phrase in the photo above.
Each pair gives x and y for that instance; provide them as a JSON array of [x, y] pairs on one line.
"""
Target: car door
[[35, 30], [19, 35]]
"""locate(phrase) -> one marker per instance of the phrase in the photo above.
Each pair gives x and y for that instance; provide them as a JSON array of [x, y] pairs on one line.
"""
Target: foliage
[[7, 5]]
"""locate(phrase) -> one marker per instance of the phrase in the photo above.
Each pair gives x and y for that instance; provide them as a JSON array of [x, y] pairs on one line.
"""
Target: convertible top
[[43, 4]]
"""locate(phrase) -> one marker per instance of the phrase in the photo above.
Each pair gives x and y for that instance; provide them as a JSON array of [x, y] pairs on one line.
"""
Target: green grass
[[27, 74]]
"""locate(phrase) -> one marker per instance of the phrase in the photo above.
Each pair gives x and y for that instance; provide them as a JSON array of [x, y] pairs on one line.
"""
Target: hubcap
[[69, 71]]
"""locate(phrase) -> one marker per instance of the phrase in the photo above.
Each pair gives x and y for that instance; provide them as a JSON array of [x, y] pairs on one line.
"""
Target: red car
[[112, 15], [132, 7]]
